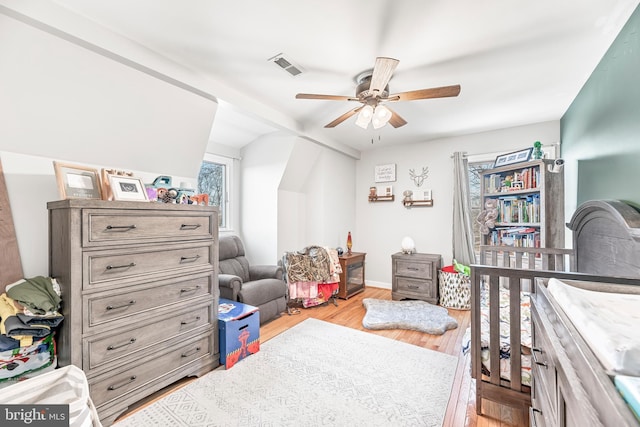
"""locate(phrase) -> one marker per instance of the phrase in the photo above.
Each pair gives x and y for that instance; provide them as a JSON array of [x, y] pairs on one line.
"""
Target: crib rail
[[490, 385], [528, 258]]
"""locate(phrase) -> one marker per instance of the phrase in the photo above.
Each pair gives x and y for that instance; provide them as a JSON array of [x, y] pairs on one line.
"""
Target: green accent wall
[[600, 132]]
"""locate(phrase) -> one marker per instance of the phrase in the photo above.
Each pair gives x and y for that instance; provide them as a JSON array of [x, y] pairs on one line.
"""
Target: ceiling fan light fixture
[[381, 116], [364, 116]]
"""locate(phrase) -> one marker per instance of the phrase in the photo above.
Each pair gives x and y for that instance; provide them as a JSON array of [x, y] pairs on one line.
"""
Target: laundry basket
[[64, 386], [455, 289]]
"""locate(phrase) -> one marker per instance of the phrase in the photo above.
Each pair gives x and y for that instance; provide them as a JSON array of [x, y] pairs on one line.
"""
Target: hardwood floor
[[461, 410]]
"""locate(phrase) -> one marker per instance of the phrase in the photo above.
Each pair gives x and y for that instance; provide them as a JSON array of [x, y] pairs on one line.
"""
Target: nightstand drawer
[[137, 226], [421, 270], [423, 287], [119, 265]]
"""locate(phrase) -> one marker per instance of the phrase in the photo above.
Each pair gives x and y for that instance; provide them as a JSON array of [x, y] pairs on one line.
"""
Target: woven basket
[[455, 290]]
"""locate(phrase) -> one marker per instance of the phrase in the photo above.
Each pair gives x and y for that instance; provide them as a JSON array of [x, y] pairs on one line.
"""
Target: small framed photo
[[77, 182], [127, 188], [515, 157]]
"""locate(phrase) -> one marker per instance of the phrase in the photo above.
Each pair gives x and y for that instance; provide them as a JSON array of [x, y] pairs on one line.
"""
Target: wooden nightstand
[[415, 276], [352, 276]]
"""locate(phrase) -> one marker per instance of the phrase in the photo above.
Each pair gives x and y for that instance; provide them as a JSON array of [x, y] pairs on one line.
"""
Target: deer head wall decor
[[419, 179]]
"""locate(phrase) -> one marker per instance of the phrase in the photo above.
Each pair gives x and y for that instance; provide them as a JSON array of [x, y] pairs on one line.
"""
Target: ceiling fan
[[373, 91]]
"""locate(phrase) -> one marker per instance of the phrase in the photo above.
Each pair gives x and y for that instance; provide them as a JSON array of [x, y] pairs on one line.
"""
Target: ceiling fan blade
[[396, 121], [344, 117], [326, 97], [382, 72], [435, 92]]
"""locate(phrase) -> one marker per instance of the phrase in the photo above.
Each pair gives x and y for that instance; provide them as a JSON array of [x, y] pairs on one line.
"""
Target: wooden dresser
[[140, 295], [415, 276], [570, 386]]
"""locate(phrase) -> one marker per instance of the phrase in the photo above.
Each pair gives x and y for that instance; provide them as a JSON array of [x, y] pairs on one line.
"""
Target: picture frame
[[77, 181], [385, 173], [104, 180], [514, 157], [127, 188]]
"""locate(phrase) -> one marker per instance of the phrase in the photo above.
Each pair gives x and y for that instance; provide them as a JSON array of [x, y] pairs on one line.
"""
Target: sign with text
[[34, 415], [385, 173]]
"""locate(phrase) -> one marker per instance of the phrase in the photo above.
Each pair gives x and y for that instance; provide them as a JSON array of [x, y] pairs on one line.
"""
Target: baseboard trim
[[383, 285]]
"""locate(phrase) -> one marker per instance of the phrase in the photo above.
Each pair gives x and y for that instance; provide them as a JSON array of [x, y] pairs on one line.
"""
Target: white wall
[[72, 99], [295, 193], [262, 167], [381, 226]]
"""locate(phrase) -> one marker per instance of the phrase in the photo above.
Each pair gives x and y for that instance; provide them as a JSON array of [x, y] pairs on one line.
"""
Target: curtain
[[462, 226]]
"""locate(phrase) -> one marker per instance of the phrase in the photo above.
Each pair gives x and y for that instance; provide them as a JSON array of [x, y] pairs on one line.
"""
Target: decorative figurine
[[537, 150]]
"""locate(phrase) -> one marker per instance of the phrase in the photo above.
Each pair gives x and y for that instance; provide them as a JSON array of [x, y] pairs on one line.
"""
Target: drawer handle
[[121, 227], [111, 267], [413, 268], [114, 347], [191, 353], [131, 379], [189, 258], [537, 349], [184, 322], [125, 305], [189, 226], [413, 287], [533, 414], [191, 289], [535, 359]]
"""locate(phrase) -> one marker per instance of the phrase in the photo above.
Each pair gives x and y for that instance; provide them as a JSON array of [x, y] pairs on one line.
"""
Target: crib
[[606, 244]]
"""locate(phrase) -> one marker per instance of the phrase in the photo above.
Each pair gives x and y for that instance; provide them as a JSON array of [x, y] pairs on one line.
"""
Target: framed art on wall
[[77, 182], [515, 157], [385, 173], [127, 188]]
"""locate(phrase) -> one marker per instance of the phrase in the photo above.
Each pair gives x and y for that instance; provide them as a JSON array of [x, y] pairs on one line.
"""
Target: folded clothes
[[8, 343], [37, 293], [49, 320], [16, 328]]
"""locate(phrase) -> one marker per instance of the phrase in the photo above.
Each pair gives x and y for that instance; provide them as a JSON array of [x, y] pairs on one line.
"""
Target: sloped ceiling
[[517, 62]]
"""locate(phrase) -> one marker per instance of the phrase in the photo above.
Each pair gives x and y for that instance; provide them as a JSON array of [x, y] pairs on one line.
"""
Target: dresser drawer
[[105, 348], [110, 386], [420, 270], [542, 412], [425, 288], [117, 227], [542, 361], [125, 265], [118, 308]]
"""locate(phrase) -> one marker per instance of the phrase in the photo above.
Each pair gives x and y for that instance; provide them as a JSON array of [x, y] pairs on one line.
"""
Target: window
[[214, 180]]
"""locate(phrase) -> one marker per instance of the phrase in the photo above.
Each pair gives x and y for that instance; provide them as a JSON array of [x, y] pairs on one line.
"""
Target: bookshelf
[[530, 203]]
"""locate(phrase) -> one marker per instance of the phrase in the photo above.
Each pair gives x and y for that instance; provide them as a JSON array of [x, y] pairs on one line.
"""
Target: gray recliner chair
[[261, 286]]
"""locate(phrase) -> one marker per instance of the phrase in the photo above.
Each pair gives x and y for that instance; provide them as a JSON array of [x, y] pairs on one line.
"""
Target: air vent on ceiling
[[286, 64]]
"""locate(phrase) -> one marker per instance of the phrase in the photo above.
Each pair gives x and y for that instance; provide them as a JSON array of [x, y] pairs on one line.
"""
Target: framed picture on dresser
[[127, 188], [77, 182]]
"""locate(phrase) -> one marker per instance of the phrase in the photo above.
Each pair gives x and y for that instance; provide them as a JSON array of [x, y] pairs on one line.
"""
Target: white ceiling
[[517, 62]]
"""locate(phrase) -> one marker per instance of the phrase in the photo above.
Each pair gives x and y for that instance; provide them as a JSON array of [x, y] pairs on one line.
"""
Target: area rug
[[315, 374], [413, 314]]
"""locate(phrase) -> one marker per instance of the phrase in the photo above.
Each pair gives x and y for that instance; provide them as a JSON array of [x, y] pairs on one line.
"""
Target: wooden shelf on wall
[[410, 203], [382, 198]]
